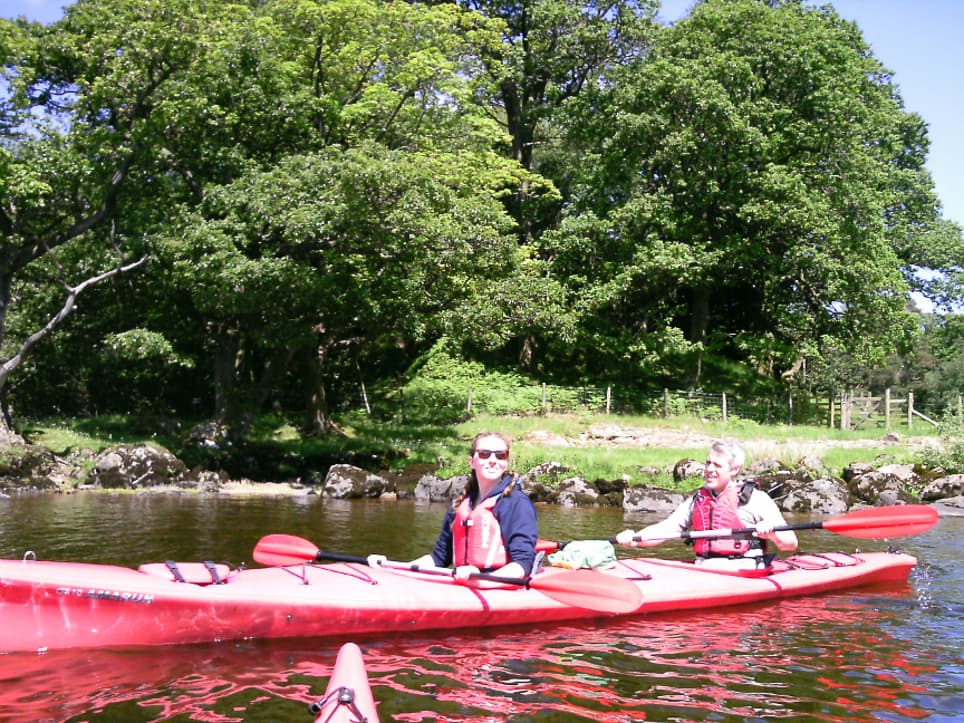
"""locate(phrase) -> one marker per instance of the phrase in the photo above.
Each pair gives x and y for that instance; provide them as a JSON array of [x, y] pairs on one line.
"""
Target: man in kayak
[[722, 503], [492, 526]]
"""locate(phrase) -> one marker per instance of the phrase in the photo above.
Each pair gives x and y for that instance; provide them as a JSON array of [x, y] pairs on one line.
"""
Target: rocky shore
[[806, 486]]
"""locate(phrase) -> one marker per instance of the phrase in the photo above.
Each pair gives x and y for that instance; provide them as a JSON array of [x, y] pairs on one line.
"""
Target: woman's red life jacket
[[720, 513], [477, 537]]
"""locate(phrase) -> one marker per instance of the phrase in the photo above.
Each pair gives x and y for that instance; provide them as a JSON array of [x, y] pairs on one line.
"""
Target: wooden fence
[[848, 410], [857, 412]]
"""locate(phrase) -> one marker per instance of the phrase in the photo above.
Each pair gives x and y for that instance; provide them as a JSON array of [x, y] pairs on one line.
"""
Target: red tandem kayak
[[50, 605], [348, 697]]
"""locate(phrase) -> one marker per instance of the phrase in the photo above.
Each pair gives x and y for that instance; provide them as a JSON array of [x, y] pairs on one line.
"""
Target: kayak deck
[[48, 605]]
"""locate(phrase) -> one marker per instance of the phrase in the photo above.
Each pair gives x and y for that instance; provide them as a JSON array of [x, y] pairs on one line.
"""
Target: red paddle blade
[[891, 521], [282, 550], [590, 589]]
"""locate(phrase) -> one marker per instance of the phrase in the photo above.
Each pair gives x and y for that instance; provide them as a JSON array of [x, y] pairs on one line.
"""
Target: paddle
[[587, 589], [872, 522], [892, 521]]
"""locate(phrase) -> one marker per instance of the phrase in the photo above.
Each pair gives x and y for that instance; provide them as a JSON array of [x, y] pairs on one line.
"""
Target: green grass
[[446, 446], [62, 436]]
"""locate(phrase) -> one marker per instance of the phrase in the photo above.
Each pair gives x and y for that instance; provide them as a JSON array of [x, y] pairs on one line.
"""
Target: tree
[[943, 377], [192, 119], [552, 52], [758, 183], [335, 251], [360, 228], [76, 134]]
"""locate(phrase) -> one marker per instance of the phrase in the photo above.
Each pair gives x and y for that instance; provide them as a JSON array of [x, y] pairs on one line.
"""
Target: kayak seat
[[196, 573]]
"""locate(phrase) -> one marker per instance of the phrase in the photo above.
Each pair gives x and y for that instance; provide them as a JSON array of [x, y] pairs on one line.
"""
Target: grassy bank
[[573, 441]]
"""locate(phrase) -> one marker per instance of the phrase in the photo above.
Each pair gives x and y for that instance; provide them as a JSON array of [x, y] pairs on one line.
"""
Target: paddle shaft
[[394, 565], [737, 532]]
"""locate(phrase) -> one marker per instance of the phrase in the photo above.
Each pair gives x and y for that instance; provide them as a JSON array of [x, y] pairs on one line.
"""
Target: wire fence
[[847, 410]]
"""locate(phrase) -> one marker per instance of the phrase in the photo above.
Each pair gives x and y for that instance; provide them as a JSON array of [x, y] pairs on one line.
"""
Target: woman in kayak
[[722, 503], [492, 526]]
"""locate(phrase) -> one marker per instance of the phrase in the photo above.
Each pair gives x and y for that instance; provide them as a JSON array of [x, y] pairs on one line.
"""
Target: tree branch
[[73, 292]]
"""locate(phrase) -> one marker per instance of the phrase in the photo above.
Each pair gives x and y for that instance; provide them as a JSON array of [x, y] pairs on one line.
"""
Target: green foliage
[[143, 344], [439, 388], [746, 241], [944, 381], [564, 190], [950, 457]]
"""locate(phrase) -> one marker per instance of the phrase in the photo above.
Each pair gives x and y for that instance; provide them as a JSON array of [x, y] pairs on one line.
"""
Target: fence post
[[790, 408], [723, 404], [609, 399], [830, 404], [468, 402], [844, 411], [665, 402], [543, 398], [887, 409], [910, 410]]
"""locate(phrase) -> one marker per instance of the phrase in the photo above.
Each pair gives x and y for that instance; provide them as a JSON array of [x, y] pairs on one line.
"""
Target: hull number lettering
[[95, 593]]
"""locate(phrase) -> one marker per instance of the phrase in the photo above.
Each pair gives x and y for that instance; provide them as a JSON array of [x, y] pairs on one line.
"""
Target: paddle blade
[[282, 550], [890, 521], [591, 590]]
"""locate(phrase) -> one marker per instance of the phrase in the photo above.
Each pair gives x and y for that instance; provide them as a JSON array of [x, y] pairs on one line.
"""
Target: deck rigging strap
[[175, 571], [346, 697]]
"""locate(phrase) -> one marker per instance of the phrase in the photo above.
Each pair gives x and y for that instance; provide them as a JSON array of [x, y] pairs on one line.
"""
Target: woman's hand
[[464, 572]]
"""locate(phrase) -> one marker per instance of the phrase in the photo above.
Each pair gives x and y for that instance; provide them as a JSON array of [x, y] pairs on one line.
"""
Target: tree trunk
[[317, 421], [8, 437], [6, 280], [227, 361], [700, 309]]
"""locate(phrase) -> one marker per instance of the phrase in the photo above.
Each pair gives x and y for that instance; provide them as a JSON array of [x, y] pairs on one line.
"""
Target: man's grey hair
[[732, 449]]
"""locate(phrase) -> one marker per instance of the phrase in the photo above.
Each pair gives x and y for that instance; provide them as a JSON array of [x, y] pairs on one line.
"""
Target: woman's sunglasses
[[501, 454]]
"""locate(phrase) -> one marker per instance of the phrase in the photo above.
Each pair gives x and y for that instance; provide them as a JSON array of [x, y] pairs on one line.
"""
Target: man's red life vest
[[477, 537], [720, 513]]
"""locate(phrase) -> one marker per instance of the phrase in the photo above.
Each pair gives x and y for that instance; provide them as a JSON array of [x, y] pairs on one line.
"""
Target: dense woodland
[[217, 209]]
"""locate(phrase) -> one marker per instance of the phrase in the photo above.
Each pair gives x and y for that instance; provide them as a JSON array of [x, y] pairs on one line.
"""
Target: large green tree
[[244, 148], [77, 136], [759, 191], [336, 252], [552, 51], [356, 245]]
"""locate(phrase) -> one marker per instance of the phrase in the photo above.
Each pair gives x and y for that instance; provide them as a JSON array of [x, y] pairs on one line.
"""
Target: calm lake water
[[874, 654]]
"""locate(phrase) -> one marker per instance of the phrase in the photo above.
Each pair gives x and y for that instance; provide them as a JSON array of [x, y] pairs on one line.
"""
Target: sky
[[921, 41]]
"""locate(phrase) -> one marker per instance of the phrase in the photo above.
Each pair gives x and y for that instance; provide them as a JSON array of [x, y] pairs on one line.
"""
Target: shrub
[[951, 457], [438, 391]]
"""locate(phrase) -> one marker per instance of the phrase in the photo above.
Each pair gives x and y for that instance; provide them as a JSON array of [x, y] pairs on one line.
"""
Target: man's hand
[[626, 538]]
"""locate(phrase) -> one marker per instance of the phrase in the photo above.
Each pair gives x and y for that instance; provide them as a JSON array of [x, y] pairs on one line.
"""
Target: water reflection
[[889, 653]]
